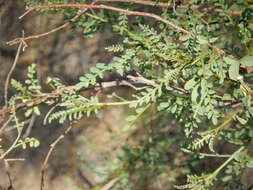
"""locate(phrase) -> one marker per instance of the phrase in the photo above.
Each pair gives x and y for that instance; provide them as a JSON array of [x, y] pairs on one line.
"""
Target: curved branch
[[169, 5], [128, 12]]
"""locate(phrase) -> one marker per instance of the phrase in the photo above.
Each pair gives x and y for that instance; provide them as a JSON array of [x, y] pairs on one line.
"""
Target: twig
[[169, 5], [3, 155], [34, 100], [142, 2], [57, 93], [84, 179], [110, 184], [128, 12], [141, 79], [66, 24], [30, 126], [52, 146], [126, 83], [17, 40], [48, 113], [6, 124], [7, 170], [27, 12], [10, 73], [14, 159]]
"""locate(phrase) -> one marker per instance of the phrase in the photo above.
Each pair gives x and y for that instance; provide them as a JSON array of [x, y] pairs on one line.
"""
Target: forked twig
[[66, 24], [52, 146], [7, 170]]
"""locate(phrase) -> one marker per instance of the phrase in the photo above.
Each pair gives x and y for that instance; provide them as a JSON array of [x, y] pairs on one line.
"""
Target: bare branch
[[128, 12], [66, 24], [169, 5], [11, 71], [52, 146]]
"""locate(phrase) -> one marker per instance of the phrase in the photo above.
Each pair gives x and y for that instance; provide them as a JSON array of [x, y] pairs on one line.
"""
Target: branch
[[52, 146], [17, 40], [21, 43], [99, 86], [128, 12], [169, 5], [66, 24]]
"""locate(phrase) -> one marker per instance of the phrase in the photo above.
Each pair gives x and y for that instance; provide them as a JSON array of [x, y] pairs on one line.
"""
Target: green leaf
[[250, 164], [94, 70], [28, 112], [212, 40], [247, 61], [131, 118], [190, 84], [184, 38], [126, 127], [234, 67], [163, 105], [227, 178], [230, 60], [140, 110], [203, 88], [241, 120], [195, 94], [36, 110], [202, 40], [234, 71]]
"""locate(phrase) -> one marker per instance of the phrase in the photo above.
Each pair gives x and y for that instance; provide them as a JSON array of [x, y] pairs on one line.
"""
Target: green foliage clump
[[196, 77]]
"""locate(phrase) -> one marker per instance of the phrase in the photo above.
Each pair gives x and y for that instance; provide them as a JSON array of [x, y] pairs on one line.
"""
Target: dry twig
[[52, 146], [21, 44], [66, 24], [7, 170], [128, 12], [169, 5]]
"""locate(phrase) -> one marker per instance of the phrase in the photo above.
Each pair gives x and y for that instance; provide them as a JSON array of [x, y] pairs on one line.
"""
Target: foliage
[[207, 91]]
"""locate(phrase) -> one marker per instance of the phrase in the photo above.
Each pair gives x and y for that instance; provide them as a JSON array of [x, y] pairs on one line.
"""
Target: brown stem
[[128, 12], [169, 5]]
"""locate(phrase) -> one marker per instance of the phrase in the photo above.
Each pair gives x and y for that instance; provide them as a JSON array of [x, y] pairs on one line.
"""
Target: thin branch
[[66, 24], [52, 146], [109, 185], [10, 73], [57, 93], [142, 2], [128, 12], [169, 5], [141, 79], [34, 100], [13, 145], [14, 159], [6, 124], [30, 125], [7, 170], [84, 179], [17, 40], [48, 113]]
